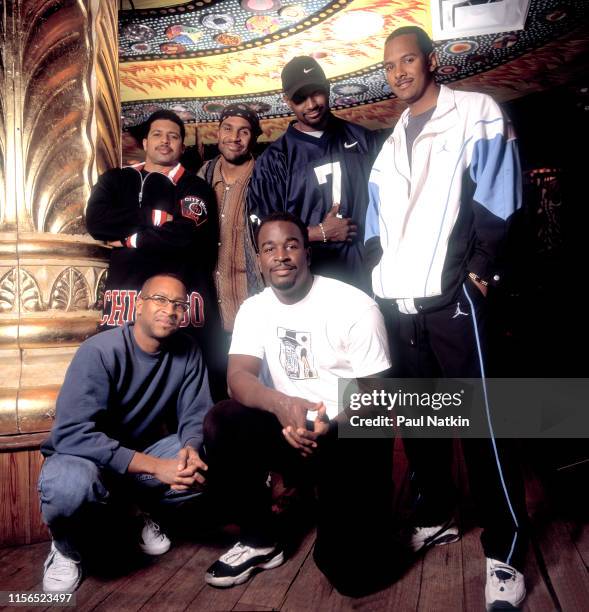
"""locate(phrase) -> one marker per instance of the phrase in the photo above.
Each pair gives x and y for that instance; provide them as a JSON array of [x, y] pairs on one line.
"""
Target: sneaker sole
[[441, 540], [449, 538], [155, 552], [70, 590], [229, 581], [504, 605]]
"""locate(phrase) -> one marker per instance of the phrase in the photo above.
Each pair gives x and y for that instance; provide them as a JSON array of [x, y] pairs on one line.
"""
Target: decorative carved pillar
[[59, 128]]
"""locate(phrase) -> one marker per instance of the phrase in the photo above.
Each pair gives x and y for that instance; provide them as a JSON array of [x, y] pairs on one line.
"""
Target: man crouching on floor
[[129, 418], [311, 330]]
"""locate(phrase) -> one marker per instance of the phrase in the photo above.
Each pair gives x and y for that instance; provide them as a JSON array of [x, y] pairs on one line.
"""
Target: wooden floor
[[448, 578]]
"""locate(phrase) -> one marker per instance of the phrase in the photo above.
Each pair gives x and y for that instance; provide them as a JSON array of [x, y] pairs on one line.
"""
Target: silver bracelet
[[323, 232]]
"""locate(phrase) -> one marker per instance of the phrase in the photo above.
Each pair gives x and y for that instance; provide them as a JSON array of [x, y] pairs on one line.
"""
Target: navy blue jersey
[[306, 175]]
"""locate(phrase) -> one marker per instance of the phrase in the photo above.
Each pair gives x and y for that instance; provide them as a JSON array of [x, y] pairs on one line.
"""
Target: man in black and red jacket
[[160, 218]]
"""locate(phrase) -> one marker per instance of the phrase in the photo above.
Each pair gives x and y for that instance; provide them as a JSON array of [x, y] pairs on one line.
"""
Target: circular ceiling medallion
[[174, 30], [346, 101], [184, 112], [172, 48], [141, 47], [262, 24], [214, 108], [505, 41], [292, 12], [350, 89], [259, 107], [218, 21], [138, 32], [260, 6], [461, 47], [477, 59], [186, 35], [555, 15], [447, 69], [228, 40]]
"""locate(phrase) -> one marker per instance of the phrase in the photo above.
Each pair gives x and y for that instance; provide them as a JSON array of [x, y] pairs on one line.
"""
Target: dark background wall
[[542, 306]]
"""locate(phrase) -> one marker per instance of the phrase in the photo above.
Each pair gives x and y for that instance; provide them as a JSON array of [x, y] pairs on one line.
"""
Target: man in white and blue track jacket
[[442, 192], [443, 216]]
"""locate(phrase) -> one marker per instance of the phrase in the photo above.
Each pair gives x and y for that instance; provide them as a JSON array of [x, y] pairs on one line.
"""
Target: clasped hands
[[181, 472], [292, 415]]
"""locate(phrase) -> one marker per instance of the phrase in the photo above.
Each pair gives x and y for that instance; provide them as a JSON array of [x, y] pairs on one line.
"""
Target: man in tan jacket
[[236, 275]]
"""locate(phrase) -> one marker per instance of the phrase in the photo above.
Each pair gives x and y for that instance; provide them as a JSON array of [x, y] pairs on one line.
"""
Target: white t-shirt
[[335, 331]]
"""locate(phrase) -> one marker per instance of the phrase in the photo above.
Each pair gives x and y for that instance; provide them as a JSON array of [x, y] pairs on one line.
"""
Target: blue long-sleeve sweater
[[117, 399]]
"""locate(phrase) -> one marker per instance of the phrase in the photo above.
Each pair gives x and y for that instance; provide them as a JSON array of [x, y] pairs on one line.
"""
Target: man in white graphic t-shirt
[[312, 331]]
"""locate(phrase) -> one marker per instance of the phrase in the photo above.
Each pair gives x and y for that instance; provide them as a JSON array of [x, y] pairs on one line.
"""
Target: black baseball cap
[[302, 71]]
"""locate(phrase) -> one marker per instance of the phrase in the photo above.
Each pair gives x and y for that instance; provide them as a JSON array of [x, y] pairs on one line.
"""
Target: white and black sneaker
[[505, 588], [152, 540], [61, 574], [238, 563], [421, 538]]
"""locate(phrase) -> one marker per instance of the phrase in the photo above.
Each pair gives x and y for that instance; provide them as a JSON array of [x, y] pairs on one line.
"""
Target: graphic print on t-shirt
[[295, 354]]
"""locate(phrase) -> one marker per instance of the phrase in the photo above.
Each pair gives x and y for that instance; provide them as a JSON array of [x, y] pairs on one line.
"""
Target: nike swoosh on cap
[[307, 70], [348, 145]]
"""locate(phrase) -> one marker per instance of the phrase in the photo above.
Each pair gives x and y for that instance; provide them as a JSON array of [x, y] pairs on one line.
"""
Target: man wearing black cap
[[318, 170], [236, 275]]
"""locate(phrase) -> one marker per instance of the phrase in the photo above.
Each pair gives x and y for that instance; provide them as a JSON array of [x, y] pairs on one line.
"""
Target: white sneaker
[[238, 563], [424, 537], [152, 540], [505, 588], [61, 574]]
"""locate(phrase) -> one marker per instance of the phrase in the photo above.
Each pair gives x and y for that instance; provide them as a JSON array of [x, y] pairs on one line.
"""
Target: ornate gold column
[[59, 128]]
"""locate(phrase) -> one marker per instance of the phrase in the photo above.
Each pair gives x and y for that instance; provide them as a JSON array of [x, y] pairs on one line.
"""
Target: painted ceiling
[[196, 57]]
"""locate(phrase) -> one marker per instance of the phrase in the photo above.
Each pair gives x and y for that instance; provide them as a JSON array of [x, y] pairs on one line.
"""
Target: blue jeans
[[67, 483]]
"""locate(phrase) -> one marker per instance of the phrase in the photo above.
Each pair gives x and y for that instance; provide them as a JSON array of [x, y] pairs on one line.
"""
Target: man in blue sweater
[[130, 412]]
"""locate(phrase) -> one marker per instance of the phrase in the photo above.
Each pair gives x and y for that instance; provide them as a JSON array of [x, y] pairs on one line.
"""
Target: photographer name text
[[403, 421]]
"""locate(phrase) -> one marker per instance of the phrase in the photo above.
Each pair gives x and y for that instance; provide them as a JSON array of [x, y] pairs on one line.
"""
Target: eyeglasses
[[163, 301]]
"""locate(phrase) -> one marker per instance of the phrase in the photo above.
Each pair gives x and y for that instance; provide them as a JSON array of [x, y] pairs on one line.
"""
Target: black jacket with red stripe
[[168, 223]]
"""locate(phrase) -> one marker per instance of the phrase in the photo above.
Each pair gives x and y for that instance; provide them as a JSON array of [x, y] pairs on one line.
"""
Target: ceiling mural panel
[[187, 56], [257, 69], [231, 25]]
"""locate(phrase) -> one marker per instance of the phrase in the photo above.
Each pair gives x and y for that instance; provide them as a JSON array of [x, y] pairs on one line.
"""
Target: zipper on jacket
[[144, 178]]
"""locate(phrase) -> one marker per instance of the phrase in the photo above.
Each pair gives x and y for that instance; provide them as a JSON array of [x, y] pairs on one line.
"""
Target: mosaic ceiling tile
[[218, 21], [225, 39], [505, 41], [260, 6], [138, 32], [292, 12], [262, 24], [349, 89], [460, 47]]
